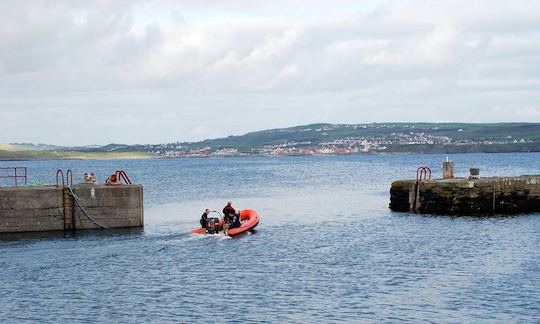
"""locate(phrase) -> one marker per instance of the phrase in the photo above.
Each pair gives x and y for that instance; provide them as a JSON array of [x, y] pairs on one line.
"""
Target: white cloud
[[165, 68], [529, 113], [434, 47]]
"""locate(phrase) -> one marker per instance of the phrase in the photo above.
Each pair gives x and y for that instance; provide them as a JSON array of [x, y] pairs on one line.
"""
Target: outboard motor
[[212, 225]]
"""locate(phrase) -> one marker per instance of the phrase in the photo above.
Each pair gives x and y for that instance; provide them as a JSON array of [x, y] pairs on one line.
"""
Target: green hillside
[[318, 133], [317, 138]]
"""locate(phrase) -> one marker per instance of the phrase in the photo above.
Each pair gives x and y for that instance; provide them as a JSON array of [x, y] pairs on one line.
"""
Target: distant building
[[365, 143]]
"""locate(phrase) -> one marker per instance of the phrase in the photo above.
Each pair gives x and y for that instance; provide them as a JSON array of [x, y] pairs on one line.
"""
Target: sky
[[98, 72]]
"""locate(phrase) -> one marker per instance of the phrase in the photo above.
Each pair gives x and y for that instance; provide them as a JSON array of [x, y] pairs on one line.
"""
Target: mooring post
[[68, 211], [448, 170]]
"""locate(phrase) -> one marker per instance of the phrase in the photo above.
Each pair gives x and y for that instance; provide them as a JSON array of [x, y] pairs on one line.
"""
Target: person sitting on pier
[[204, 218], [230, 216]]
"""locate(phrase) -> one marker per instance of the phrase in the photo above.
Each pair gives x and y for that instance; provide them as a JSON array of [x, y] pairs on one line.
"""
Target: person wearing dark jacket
[[229, 209], [230, 216], [204, 218]]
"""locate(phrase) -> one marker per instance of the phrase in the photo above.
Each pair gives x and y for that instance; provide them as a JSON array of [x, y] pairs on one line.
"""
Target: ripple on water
[[327, 249]]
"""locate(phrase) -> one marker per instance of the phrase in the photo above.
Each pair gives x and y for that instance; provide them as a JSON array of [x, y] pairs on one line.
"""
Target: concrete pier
[[496, 195], [46, 208]]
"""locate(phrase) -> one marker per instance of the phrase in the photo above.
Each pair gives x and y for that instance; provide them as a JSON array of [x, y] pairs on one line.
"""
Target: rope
[[78, 201], [416, 190]]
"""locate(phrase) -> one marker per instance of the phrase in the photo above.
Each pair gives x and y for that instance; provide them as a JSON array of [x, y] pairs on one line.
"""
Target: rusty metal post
[[69, 224]]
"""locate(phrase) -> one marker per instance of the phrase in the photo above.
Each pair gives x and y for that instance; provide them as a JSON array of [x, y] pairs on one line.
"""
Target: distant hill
[[319, 138], [319, 133]]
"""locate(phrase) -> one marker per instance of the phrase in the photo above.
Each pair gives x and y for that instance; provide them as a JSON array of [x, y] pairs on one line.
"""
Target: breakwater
[[53, 208], [467, 196]]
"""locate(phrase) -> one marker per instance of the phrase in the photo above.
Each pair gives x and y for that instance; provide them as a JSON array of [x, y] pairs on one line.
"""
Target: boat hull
[[248, 217], [202, 230]]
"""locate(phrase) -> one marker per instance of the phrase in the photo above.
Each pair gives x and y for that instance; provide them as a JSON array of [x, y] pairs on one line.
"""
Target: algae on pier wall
[[505, 195]]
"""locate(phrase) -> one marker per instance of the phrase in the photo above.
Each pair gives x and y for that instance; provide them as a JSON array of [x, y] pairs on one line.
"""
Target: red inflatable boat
[[248, 219]]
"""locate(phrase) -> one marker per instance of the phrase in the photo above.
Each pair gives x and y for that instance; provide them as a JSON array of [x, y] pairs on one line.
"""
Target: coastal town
[[332, 144], [314, 139]]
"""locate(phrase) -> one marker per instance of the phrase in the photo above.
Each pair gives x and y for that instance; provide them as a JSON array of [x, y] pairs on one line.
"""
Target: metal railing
[[122, 175], [68, 180], [17, 173], [423, 173]]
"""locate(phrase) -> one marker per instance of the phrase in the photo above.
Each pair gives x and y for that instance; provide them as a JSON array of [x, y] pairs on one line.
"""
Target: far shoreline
[[156, 157]]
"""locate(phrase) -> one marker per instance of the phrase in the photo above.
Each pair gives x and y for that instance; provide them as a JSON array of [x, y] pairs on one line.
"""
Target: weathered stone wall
[[467, 196], [34, 209], [28, 209], [399, 195]]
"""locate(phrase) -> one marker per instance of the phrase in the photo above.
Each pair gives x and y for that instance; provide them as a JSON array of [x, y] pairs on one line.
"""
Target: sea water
[[327, 248]]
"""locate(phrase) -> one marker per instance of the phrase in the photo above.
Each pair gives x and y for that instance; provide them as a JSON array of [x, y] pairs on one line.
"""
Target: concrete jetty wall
[[506, 195], [110, 206], [33, 209]]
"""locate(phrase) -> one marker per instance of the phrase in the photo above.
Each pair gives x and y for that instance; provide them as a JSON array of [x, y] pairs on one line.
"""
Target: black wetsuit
[[235, 221], [204, 217]]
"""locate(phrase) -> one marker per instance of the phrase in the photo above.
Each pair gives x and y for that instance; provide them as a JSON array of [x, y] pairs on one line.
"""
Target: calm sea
[[327, 249]]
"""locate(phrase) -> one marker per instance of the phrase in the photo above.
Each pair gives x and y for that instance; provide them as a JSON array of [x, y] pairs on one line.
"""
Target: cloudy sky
[[96, 72]]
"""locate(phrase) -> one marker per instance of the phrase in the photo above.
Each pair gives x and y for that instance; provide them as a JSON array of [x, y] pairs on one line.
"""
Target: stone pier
[[46, 208], [483, 196]]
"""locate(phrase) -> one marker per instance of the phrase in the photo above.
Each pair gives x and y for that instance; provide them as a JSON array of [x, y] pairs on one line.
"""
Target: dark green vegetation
[[382, 138]]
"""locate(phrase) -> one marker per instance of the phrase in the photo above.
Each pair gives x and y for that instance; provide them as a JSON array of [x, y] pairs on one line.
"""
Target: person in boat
[[230, 216], [204, 218]]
